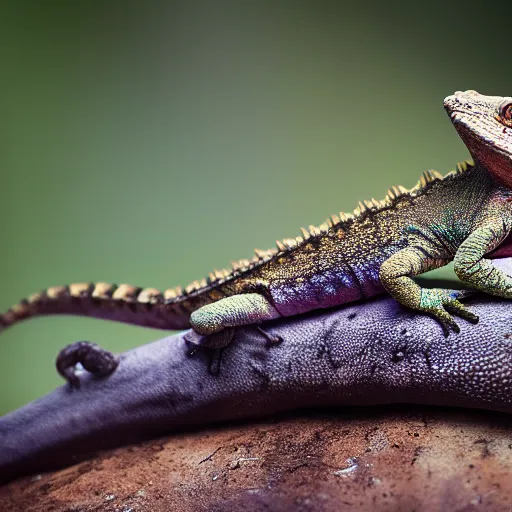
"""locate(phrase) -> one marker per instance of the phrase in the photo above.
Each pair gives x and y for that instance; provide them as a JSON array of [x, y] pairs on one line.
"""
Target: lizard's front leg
[[472, 268], [213, 324], [396, 276]]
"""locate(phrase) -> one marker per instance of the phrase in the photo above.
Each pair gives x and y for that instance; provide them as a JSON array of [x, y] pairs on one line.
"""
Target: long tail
[[124, 303]]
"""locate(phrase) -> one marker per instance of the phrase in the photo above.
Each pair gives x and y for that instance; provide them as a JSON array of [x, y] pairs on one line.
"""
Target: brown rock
[[385, 459]]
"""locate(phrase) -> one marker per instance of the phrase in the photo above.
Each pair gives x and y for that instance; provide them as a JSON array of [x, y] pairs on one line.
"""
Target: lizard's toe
[[464, 294], [457, 308], [271, 339], [446, 320], [442, 304]]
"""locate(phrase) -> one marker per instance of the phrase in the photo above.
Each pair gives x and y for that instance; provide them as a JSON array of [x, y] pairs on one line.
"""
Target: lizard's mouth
[[466, 106], [452, 107], [456, 118], [454, 114]]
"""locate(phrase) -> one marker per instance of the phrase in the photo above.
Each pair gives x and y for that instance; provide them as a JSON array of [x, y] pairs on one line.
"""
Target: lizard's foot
[[442, 303], [272, 340], [91, 356], [217, 340], [220, 340], [215, 343]]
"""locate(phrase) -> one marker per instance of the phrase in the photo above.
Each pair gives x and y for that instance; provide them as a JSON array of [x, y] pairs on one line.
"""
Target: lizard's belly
[[326, 289]]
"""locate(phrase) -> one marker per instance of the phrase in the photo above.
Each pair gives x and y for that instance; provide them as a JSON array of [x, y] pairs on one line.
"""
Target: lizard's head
[[484, 123]]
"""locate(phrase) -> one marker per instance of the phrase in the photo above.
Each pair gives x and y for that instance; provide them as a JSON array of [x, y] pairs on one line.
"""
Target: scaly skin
[[382, 246]]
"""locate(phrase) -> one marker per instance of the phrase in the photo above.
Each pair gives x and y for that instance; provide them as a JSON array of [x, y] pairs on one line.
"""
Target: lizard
[[465, 216]]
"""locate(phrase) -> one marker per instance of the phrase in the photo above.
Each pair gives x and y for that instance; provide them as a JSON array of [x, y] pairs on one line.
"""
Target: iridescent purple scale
[[329, 288]]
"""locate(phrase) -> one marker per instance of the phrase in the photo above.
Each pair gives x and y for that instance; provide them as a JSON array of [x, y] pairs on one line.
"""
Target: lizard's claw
[[271, 339], [440, 303]]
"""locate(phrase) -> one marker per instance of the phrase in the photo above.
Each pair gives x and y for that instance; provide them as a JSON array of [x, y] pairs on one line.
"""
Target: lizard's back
[[465, 216], [335, 263], [339, 262]]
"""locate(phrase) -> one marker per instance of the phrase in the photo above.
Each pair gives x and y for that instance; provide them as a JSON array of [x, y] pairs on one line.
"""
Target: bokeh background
[[151, 142]]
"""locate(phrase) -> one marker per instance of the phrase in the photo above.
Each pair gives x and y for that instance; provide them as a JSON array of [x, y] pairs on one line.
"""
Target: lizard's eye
[[505, 113]]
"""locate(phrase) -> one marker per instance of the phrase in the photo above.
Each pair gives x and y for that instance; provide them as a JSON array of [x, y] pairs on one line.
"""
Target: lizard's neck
[[497, 165]]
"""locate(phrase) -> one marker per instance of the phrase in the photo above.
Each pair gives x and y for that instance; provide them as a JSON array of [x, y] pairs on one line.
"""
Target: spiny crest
[[264, 255], [464, 166], [427, 179], [288, 243], [121, 292], [430, 177], [126, 292], [336, 222], [219, 277], [195, 286], [395, 192], [149, 296], [173, 293], [364, 208], [240, 264]]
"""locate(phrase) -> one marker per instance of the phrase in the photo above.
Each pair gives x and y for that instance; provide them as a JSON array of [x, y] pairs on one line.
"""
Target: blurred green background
[[151, 142]]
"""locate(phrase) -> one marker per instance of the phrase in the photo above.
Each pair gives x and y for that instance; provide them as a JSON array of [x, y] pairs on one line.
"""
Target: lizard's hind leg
[[213, 324]]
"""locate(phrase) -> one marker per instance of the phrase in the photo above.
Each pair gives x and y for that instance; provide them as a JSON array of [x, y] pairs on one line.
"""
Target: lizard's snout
[[450, 104], [465, 98]]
